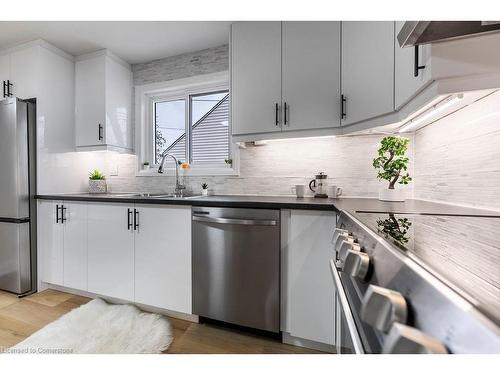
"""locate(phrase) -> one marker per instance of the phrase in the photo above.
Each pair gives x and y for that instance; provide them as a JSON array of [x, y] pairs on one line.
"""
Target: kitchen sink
[[154, 195]]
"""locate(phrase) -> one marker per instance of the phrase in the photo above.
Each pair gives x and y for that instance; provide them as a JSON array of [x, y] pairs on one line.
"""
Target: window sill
[[205, 172]]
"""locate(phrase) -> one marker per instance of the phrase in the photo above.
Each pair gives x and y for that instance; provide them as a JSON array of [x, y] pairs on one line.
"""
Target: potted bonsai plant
[[204, 189], [392, 164], [97, 182], [145, 166]]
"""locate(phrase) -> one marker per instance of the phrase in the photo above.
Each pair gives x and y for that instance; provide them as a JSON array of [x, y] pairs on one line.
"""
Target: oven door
[[347, 340]]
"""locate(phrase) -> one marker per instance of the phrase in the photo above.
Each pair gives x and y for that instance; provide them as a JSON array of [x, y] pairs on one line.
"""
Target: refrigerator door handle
[[57, 214]]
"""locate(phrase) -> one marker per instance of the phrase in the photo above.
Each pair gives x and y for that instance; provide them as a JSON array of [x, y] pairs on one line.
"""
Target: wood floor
[[19, 318]]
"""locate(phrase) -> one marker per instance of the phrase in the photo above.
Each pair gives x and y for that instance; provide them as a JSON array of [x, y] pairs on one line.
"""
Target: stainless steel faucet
[[178, 186]]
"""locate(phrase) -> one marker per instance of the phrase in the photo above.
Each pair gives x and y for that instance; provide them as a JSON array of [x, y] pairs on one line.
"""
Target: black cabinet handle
[[129, 219], [417, 67], [57, 213], [343, 100], [284, 112], [63, 216], [136, 219], [277, 120], [7, 85], [100, 132]]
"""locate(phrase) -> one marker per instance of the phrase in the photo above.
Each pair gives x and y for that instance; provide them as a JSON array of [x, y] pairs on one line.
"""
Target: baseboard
[[297, 341], [117, 301]]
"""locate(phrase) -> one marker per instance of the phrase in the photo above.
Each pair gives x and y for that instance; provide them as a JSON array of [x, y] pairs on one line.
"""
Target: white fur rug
[[97, 327]]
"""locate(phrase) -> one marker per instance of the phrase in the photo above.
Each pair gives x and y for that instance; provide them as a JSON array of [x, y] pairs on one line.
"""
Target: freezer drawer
[[15, 266], [236, 266]]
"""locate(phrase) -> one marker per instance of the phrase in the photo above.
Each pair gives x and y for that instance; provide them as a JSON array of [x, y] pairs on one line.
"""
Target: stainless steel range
[[417, 283]]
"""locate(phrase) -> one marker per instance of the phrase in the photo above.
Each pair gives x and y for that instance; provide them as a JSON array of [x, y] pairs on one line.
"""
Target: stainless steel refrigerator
[[17, 187]]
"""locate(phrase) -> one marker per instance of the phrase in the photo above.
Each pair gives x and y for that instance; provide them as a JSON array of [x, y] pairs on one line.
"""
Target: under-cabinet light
[[437, 108]]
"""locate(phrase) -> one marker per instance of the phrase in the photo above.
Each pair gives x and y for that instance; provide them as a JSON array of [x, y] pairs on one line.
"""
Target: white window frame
[[146, 95]]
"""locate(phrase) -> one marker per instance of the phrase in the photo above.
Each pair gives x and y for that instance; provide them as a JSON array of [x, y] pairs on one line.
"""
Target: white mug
[[334, 191], [299, 190]]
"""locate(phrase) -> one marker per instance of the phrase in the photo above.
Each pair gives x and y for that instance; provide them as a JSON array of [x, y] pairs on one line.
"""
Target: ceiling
[[135, 42]]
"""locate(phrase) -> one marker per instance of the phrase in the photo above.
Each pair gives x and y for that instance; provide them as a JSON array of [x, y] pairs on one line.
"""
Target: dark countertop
[[410, 206]]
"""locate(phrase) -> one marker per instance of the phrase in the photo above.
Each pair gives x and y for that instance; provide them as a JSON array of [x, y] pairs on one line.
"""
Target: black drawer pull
[[129, 219], [343, 100], [136, 219], [417, 67]]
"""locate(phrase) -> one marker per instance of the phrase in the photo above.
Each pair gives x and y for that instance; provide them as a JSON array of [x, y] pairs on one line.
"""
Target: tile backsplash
[[273, 168], [457, 159]]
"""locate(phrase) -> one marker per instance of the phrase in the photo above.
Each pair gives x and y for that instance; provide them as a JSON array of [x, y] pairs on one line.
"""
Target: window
[[190, 119], [199, 135]]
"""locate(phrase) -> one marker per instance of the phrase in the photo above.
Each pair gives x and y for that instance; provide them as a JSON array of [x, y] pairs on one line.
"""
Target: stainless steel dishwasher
[[236, 266]]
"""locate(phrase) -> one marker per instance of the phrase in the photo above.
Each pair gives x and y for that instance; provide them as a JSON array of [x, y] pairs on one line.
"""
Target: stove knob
[[344, 247], [337, 233], [382, 307], [356, 264], [407, 340]]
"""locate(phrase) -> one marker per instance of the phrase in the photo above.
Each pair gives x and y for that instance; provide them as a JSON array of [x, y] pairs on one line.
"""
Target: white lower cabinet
[[50, 239], [62, 243], [75, 245], [308, 303], [111, 250], [163, 257], [138, 253]]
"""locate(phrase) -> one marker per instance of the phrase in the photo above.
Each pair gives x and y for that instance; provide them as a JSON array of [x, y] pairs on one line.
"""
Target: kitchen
[[246, 190]]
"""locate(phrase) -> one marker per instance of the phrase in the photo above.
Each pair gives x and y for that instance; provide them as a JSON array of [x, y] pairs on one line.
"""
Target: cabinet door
[[50, 242], [75, 245], [24, 72], [4, 71], [406, 84], [163, 257], [311, 75], [309, 292], [256, 77], [118, 104], [367, 69], [90, 102], [110, 251]]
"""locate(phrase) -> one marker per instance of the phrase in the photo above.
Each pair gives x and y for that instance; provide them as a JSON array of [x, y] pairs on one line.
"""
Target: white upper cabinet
[[273, 63], [367, 70], [311, 75], [163, 257], [24, 74], [4, 71], [110, 250], [255, 77], [103, 97], [412, 69]]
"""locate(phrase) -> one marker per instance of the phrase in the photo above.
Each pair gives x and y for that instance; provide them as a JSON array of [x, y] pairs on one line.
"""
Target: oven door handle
[[351, 325]]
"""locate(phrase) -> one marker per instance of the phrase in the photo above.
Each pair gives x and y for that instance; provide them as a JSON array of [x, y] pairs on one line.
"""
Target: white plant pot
[[97, 186], [391, 195], [204, 192], [145, 167]]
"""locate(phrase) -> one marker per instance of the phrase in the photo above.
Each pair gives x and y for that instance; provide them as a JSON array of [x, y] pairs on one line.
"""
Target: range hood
[[414, 33]]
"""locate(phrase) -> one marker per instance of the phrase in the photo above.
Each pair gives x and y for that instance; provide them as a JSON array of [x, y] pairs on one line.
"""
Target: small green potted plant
[[145, 166], [204, 189], [97, 182], [391, 165]]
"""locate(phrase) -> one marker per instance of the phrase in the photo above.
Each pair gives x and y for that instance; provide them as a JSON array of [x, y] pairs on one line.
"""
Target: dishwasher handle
[[223, 220]]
